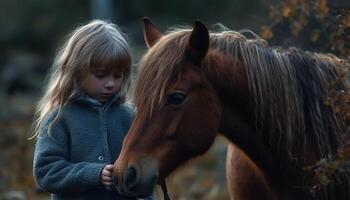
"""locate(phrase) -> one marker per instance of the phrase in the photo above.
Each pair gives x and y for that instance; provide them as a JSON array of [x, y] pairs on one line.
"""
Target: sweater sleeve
[[52, 170]]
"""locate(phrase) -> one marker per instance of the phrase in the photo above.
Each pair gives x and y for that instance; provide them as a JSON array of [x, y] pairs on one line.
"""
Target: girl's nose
[[110, 83]]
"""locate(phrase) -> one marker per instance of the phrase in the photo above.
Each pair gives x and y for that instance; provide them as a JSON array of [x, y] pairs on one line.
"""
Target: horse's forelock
[[157, 68]]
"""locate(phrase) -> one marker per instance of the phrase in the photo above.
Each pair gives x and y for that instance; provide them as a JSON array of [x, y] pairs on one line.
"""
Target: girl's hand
[[106, 175]]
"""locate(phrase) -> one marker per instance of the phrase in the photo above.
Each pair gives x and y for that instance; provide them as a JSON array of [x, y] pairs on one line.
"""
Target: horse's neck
[[229, 79], [237, 128]]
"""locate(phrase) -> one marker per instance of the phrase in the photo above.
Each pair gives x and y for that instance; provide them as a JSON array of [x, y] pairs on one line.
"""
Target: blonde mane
[[289, 87]]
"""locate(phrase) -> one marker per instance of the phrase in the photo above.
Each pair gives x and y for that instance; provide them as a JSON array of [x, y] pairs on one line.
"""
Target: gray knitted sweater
[[89, 135]]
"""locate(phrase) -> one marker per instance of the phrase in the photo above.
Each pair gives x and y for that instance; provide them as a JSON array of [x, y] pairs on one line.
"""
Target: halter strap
[[162, 184]]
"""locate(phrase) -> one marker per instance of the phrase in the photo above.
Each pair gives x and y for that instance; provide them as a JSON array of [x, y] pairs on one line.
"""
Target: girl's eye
[[118, 76], [99, 74], [175, 99]]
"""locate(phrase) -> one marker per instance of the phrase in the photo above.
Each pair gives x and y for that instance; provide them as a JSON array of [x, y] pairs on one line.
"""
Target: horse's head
[[178, 112]]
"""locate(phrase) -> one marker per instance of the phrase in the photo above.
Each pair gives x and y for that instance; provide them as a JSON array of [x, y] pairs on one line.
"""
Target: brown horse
[[193, 85]]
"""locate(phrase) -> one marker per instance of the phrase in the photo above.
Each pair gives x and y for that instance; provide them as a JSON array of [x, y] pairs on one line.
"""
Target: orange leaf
[[266, 32], [286, 11]]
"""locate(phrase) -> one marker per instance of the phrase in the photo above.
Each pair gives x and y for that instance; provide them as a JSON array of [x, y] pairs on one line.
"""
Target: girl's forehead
[[114, 69]]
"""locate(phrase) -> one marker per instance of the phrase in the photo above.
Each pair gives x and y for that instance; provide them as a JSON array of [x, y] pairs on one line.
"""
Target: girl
[[81, 119]]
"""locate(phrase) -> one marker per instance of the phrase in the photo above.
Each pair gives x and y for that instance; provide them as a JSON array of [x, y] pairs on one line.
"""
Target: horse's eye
[[175, 99]]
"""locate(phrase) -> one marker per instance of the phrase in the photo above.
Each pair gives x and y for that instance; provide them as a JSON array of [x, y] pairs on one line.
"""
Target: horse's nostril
[[131, 177]]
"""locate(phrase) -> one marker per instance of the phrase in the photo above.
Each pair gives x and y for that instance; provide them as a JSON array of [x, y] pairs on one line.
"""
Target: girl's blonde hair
[[96, 44]]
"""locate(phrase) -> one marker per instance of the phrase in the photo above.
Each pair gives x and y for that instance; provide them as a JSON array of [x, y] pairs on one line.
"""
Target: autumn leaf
[[314, 35], [324, 180], [266, 32], [322, 8], [286, 11], [296, 27]]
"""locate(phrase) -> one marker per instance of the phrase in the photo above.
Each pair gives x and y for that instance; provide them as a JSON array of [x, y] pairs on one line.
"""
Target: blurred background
[[32, 30]]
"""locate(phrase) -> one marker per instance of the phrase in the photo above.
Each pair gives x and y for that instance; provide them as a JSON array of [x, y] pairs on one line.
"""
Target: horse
[[268, 102]]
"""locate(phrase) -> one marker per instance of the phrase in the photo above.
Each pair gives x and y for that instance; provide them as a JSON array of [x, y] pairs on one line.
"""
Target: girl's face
[[101, 83]]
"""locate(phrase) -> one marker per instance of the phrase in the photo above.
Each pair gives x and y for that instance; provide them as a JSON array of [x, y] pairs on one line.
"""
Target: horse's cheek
[[200, 133]]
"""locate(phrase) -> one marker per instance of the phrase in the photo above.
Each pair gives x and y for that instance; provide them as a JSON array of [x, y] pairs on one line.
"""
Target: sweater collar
[[83, 97]]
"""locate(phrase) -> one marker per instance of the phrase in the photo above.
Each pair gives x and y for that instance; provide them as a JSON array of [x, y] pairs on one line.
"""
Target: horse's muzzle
[[138, 179]]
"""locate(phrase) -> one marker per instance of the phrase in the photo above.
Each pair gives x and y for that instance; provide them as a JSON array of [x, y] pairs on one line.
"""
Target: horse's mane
[[290, 87]]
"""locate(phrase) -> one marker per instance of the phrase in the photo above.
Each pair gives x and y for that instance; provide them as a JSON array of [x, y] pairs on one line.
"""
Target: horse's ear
[[198, 44], [151, 33]]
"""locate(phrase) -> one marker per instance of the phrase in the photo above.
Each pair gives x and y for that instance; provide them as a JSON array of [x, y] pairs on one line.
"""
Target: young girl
[[81, 119]]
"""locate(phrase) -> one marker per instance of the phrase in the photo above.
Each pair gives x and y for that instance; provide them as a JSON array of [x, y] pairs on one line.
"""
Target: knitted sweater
[[68, 161]]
